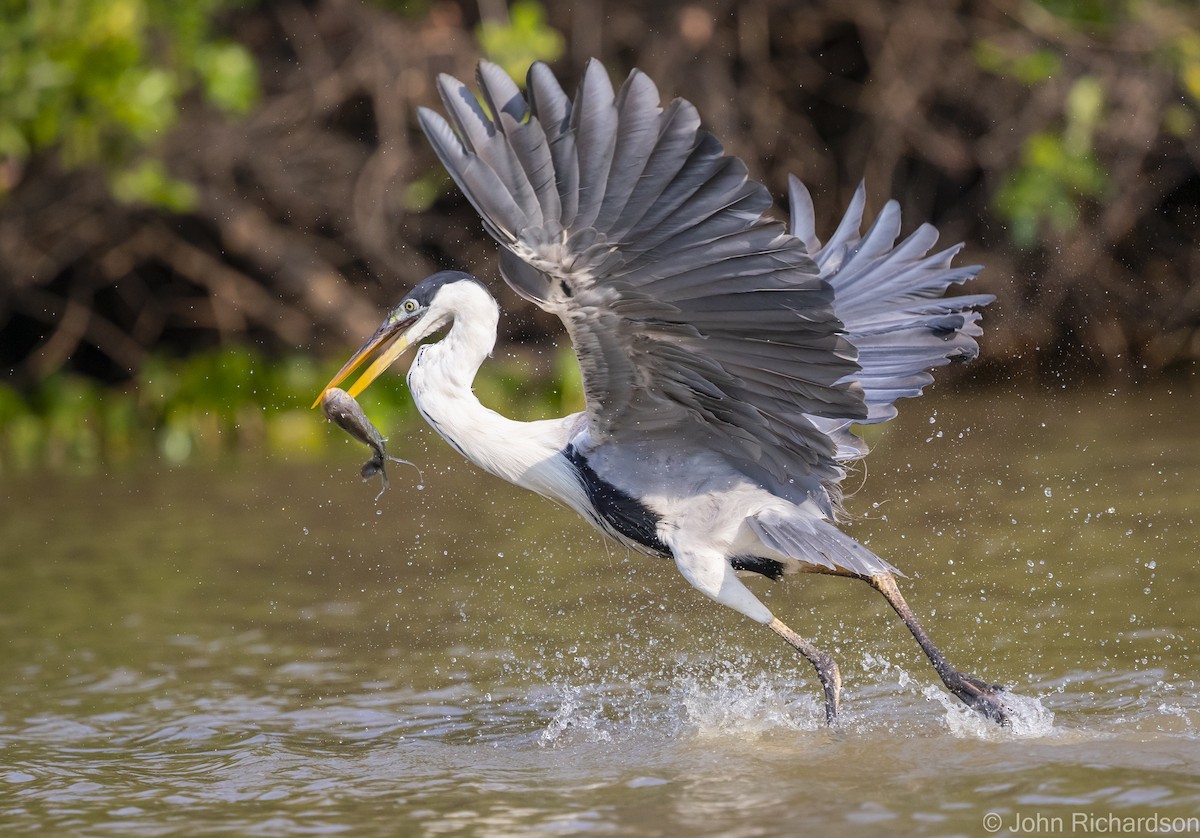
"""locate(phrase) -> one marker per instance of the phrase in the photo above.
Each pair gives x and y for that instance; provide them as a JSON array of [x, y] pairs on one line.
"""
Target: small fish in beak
[[342, 409]]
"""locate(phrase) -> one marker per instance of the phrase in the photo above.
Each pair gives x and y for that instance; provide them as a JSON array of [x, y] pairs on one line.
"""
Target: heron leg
[[980, 696], [711, 573], [823, 662]]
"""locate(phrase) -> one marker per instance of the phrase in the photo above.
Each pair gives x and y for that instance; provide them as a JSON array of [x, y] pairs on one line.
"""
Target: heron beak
[[389, 341]]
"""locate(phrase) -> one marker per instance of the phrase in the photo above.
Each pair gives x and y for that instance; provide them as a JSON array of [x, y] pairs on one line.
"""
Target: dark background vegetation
[[192, 195]]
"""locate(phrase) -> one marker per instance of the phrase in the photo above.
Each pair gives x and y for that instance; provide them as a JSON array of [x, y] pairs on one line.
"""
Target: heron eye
[[410, 306]]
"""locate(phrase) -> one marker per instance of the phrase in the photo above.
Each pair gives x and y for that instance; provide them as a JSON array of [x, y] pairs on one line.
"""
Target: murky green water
[[261, 650]]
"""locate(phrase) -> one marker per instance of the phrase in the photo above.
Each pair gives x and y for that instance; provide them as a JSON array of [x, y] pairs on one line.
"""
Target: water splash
[[872, 663], [694, 701], [1030, 719], [575, 715], [732, 702], [1174, 718]]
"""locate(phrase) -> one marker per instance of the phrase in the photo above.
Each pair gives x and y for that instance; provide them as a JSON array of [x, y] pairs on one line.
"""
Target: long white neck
[[524, 453]]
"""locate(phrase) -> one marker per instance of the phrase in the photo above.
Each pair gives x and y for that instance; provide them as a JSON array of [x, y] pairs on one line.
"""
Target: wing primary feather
[[594, 124], [501, 94], [804, 215], [677, 138], [702, 162], [890, 297], [487, 193], [552, 109], [482, 137], [846, 234], [527, 140], [638, 117], [471, 123]]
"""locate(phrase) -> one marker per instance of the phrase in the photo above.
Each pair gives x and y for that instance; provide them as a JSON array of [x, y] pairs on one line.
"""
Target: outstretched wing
[[691, 313], [891, 299]]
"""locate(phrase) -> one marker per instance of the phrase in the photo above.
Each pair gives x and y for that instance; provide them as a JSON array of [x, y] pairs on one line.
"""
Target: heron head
[[422, 312]]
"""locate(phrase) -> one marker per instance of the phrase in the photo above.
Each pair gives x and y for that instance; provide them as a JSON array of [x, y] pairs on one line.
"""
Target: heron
[[725, 355]]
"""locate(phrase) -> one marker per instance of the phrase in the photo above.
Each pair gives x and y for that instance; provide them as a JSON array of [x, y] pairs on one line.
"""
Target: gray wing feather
[[500, 213], [528, 141], [674, 150], [594, 123], [691, 313], [638, 114], [891, 298], [553, 110]]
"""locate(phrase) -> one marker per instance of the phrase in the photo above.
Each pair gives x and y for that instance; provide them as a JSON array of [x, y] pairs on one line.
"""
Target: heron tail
[[815, 542]]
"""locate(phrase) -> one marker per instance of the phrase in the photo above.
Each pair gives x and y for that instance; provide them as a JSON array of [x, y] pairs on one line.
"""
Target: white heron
[[724, 356]]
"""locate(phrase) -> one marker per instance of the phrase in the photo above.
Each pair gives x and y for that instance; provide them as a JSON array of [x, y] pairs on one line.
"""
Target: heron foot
[[823, 662], [980, 696], [831, 683]]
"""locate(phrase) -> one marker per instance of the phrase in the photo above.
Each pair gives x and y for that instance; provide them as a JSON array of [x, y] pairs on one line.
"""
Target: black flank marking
[[770, 568], [624, 513], [566, 288]]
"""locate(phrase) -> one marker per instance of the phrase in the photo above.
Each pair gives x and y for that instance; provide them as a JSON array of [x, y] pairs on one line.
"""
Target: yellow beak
[[388, 341]]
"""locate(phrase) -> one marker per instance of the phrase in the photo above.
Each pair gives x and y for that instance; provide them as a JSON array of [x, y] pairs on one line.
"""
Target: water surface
[[259, 648]]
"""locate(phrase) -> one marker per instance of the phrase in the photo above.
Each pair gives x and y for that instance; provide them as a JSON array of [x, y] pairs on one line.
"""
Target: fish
[[343, 410]]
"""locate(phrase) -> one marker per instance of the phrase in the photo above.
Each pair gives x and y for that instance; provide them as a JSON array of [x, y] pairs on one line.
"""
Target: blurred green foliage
[[1058, 170], [1093, 14], [147, 181], [96, 82], [423, 190], [1180, 47], [522, 40], [211, 404], [1027, 68]]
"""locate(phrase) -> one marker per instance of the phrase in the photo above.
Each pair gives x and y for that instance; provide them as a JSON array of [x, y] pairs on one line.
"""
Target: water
[[261, 649]]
